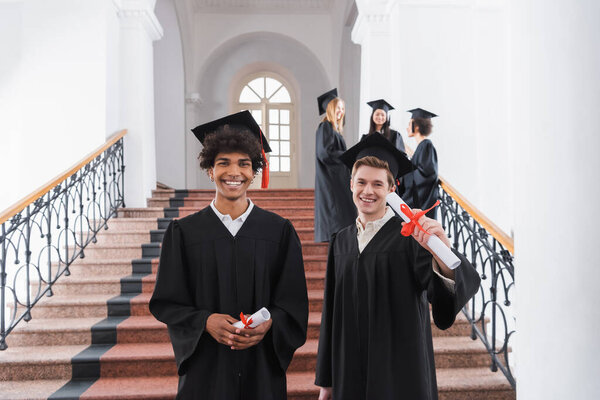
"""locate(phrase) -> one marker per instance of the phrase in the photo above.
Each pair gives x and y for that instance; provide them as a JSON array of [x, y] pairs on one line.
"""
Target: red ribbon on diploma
[[246, 322], [409, 227]]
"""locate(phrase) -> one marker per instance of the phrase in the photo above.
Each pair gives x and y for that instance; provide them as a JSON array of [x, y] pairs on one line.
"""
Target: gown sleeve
[[172, 301], [327, 150], [289, 304], [323, 374], [399, 142], [426, 164], [445, 302]]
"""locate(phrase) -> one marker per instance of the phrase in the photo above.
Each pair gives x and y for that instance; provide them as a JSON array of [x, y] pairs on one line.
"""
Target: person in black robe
[[375, 340], [333, 200], [419, 188], [228, 258], [380, 123]]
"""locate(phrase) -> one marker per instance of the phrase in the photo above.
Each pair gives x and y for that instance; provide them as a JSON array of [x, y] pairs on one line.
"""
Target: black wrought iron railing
[[43, 234], [490, 250]]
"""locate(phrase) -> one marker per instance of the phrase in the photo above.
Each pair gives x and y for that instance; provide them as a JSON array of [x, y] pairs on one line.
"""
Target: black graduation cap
[[324, 99], [420, 113], [244, 119], [380, 147], [380, 104]]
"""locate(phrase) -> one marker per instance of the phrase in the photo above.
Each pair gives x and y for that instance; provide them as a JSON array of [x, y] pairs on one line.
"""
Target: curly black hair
[[231, 139]]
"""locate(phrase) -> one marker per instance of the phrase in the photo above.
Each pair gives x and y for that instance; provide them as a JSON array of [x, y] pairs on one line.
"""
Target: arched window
[[270, 102]]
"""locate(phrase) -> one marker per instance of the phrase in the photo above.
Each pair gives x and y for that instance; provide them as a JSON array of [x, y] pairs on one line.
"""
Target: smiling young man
[[375, 340], [228, 258]]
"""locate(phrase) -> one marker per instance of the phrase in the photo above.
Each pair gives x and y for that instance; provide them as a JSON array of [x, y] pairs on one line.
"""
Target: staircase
[[96, 339]]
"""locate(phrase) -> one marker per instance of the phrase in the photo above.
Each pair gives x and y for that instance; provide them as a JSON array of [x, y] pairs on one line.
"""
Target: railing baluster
[[27, 316], [3, 333], [483, 253], [18, 224]]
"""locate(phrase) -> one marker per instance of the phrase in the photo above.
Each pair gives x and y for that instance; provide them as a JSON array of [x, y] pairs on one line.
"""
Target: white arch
[[251, 52]]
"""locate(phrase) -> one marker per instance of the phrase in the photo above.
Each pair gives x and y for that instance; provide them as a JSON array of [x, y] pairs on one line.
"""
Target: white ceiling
[[270, 6]]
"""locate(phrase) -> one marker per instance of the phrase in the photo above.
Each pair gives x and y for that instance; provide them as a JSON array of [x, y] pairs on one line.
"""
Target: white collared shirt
[[366, 233], [233, 225]]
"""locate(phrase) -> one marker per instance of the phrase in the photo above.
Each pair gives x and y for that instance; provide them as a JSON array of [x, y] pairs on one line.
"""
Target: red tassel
[[265, 172]]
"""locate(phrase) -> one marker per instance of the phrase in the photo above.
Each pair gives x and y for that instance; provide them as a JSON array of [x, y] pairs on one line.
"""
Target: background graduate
[[419, 188], [375, 340], [333, 200], [228, 258], [380, 123]]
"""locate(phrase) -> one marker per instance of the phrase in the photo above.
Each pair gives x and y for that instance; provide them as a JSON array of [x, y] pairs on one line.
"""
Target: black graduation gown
[[203, 270], [395, 138], [375, 340], [419, 188], [334, 208]]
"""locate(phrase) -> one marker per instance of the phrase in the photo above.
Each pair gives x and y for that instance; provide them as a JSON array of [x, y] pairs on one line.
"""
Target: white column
[[139, 28], [555, 98], [373, 32]]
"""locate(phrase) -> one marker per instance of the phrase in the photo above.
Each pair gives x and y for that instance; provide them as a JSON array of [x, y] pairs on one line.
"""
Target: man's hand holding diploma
[[432, 227]]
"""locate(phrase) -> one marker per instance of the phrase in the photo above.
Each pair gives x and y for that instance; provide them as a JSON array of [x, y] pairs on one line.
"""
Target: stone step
[[142, 329], [88, 284], [112, 251], [133, 388], [88, 266], [315, 263], [72, 306], [39, 389], [314, 249], [53, 332], [123, 237], [43, 362], [132, 224], [147, 212], [449, 352], [139, 359], [473, 383], [315, 280]]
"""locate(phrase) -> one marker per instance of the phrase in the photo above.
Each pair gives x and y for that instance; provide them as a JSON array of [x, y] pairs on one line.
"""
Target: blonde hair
[[330, 115], [371, 161]]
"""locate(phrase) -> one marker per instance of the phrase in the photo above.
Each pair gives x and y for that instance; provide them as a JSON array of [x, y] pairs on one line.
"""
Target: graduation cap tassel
[[265, 171]]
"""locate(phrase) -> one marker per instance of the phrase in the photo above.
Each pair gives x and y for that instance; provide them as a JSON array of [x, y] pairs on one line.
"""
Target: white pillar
[[139, 28], [373, 32], [555, 98]]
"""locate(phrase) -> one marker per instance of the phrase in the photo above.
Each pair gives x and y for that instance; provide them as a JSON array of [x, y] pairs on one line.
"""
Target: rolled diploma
[[435, 244], [262, 315]]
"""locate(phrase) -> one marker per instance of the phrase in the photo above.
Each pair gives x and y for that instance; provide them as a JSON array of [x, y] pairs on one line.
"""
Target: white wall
[[448, 57], [555, 97], [169, 99], [52, 89]]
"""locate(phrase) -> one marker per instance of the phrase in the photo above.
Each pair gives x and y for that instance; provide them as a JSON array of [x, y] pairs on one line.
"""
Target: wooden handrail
[[493, 229], [27, 200], [478, 216]]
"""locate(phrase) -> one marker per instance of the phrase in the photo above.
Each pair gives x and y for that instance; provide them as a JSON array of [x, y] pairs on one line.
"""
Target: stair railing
[[41, 235], [491, 252]]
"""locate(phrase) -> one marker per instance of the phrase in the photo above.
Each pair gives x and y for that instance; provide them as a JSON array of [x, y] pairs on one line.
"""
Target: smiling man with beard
[[375, 340], [228, 258]]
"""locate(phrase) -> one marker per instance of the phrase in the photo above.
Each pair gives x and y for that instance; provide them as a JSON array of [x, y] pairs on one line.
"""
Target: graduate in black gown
[[228, 258], [375, 340], [380, 123], [333, 200], [419, 188]]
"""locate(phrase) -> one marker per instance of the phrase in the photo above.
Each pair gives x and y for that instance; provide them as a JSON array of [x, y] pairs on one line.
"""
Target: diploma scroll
[[435, 244], [262, 315]]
